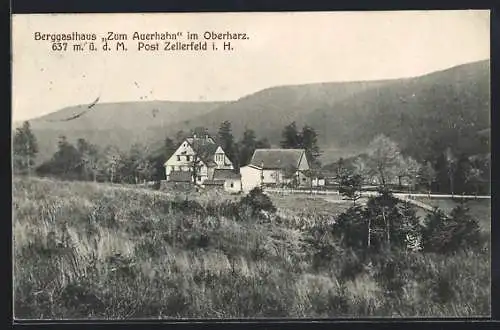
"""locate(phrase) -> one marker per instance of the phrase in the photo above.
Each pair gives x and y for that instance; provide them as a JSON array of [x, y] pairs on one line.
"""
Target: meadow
[[87, 250]]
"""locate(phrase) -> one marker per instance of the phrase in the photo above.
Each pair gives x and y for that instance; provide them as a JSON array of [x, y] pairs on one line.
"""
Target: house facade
[[276, 167], [201, 155], [225, 179]]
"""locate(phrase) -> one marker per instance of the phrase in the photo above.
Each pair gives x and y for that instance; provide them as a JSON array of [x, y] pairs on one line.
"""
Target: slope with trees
[[426, 115]]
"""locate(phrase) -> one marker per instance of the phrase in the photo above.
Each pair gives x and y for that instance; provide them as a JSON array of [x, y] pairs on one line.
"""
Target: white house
[[200, 153], [276, 167], [225, 179]]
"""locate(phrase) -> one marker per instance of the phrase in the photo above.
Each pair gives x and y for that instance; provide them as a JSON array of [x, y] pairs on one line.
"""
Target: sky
[[282, 49]]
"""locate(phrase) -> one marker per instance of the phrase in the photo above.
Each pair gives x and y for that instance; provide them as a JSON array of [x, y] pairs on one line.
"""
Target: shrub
[[351, 228], [156, 185], [350, 186], [187, 206], [385, 222], [257, 201], [444, 234]]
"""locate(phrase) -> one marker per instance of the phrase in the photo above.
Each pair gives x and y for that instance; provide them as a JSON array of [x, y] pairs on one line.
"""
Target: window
[[199, 178], [188, 158], [232, 185], [178, 158]]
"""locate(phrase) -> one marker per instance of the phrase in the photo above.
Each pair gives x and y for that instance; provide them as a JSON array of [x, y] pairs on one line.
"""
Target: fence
[[286, 191]]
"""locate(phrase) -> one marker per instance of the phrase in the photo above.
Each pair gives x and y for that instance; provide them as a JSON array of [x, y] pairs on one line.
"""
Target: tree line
[[90, 162], [384, 164]]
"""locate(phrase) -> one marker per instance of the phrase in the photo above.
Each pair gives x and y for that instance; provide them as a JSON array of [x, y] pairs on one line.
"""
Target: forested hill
[[120, 124], [424, 115]]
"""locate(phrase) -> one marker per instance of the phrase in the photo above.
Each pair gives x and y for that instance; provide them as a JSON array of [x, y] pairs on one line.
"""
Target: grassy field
[[85, 250]]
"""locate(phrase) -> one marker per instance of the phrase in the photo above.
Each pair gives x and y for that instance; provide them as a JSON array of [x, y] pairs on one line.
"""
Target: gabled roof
[[277, 158], [223, 174], [205, 148], [180, 176]]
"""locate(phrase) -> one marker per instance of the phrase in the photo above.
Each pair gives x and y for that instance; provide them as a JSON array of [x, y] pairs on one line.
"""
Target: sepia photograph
[[259, 165]]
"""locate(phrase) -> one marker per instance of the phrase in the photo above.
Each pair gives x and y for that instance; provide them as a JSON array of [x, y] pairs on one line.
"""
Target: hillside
[[125, 115], [267, 111], [424, 114], [120, 124]]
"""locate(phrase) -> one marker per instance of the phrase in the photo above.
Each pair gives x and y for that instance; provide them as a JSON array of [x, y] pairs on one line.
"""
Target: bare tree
[[412, 171], [472, 176], [384, 156], [428, 174], [362, 168], [451, 163], [113, 158], [195, 166], [407, 167], [89, 154]]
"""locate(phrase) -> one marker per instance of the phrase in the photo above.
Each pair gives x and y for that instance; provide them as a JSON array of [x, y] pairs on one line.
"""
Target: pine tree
[[309, 141], [248, 144], [263, 144], [291, 137], [66, 163], [350, 186], [453, 233], [25, 149], [226, 141], [306, 139]]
